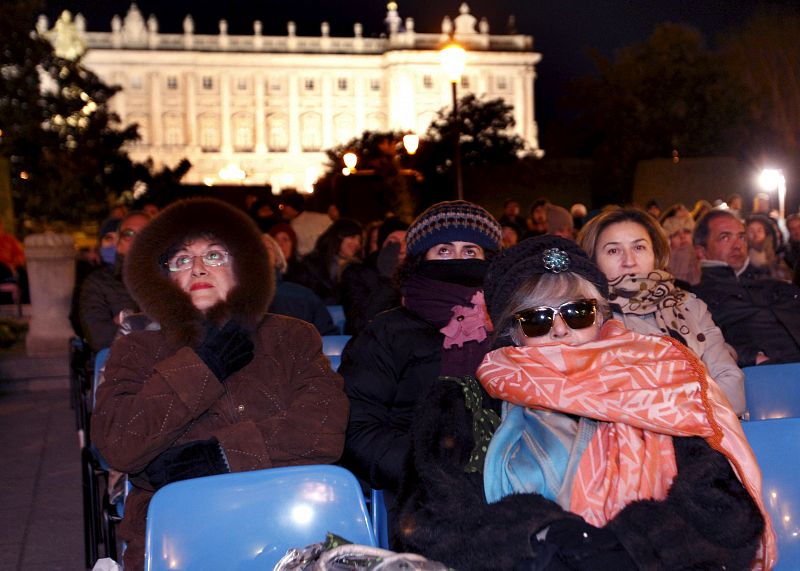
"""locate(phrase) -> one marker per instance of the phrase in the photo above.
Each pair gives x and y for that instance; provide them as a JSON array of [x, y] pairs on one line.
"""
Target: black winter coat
[[755, 313], [707, 521], [103, 295], [386, 368], [365, 293]]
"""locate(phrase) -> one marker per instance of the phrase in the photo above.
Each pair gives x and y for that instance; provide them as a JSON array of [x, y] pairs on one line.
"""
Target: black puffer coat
[[386, 368]]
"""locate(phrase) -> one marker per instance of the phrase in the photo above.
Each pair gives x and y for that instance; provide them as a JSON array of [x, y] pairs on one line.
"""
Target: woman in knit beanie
[[615, 450], [441, 328]]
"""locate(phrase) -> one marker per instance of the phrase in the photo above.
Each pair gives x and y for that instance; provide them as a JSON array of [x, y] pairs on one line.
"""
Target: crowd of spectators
[[230, 298]]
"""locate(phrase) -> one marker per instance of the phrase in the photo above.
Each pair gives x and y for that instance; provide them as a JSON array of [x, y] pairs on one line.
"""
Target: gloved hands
[[581, 546], [226, 350], [190, 460]]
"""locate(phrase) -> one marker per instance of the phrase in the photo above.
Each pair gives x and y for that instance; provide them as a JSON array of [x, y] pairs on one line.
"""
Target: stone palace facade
[[262, 109]]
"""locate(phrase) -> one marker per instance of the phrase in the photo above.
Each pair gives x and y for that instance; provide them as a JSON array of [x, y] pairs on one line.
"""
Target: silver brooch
[[555, 260]]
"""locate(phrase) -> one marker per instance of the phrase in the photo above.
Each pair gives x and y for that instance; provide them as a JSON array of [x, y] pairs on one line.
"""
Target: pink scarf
[[644, 390]]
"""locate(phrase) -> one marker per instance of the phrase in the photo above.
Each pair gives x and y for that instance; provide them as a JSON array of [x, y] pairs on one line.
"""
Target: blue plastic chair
[[772, 391], [248, 520], [337, 315], [380, 517], [99, 370], [776, 444], [332, 347]]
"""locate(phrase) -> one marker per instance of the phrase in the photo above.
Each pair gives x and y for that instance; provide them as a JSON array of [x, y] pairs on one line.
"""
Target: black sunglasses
[[538, 321]]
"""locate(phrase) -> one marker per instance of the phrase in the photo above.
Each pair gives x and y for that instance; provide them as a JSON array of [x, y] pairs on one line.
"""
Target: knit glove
[[572, 544], [190, 460], [226, 350]]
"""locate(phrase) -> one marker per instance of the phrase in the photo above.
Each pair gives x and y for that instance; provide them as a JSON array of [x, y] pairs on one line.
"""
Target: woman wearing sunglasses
[[632, 250], [615, 451], [222, 386]]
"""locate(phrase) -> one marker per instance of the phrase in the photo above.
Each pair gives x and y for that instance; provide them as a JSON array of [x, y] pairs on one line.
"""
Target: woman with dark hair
[[321, 270], [615, 449], [222, 386], [441, 328], [286, 238], [633, 251], [369, 287], [763, 241]]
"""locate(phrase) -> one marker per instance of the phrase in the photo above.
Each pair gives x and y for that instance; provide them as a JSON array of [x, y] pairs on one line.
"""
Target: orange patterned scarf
[[644, 390]]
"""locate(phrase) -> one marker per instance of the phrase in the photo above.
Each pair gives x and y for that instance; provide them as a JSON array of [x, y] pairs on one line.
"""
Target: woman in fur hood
[[223, 386]]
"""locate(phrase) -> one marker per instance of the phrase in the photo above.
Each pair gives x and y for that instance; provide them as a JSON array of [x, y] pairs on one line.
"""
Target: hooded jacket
[[286, 407]]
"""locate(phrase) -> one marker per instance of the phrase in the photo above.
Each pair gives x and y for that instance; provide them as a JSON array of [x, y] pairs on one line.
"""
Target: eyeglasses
[[210, 259], [538, 321], [127, 234]]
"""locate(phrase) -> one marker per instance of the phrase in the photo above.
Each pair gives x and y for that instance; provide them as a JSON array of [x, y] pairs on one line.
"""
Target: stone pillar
[[50, 260]]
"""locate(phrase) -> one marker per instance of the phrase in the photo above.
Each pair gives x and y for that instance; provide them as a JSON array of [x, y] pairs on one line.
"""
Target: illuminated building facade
[[262, 109]]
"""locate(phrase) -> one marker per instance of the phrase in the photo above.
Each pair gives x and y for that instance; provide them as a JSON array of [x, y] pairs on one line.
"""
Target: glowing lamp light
[[345, 171], [453, 58], [350, 160], [411, 143], [770, 179], [232, 172]]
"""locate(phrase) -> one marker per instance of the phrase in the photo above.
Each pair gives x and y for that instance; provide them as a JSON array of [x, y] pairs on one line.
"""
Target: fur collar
[[165, 303]]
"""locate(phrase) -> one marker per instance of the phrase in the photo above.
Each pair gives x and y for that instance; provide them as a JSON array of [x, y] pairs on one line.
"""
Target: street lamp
[[773, 179], [453, 57], [350, 161], [411, 143]]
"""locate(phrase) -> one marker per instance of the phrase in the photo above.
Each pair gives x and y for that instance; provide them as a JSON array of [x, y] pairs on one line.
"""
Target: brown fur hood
[[162, 300]]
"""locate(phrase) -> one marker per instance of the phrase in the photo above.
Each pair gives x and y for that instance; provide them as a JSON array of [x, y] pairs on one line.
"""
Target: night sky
[[563, 30]]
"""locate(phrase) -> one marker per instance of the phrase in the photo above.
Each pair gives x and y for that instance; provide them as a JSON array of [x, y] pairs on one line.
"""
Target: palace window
[[308, 84], [427, 82], [208, 82], [502, 83], [136, 82], [375, 84], [241, 84], [172, 82], [464, 82], [341, 84]]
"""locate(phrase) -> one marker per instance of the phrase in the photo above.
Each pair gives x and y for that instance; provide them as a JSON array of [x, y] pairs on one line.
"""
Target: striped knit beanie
[[455, 221]]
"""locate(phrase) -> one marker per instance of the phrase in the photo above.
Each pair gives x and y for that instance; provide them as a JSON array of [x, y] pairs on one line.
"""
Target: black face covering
[[468, 273]]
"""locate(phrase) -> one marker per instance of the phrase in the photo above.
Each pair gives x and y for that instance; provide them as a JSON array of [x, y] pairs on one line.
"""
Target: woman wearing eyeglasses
[[223, 386], [614, 451], [633, 251]]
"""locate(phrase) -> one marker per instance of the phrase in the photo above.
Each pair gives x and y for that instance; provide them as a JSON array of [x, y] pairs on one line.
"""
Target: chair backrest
[[772, 391], [332, 347], [776, 444], [99, 372], [248, 520], [334, 344], [337, 315], [380, 517]]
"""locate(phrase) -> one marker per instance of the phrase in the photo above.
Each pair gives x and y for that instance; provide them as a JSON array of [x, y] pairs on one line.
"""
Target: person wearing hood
[[441, 328], [222, 386], [368, 287], [103, 295]]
